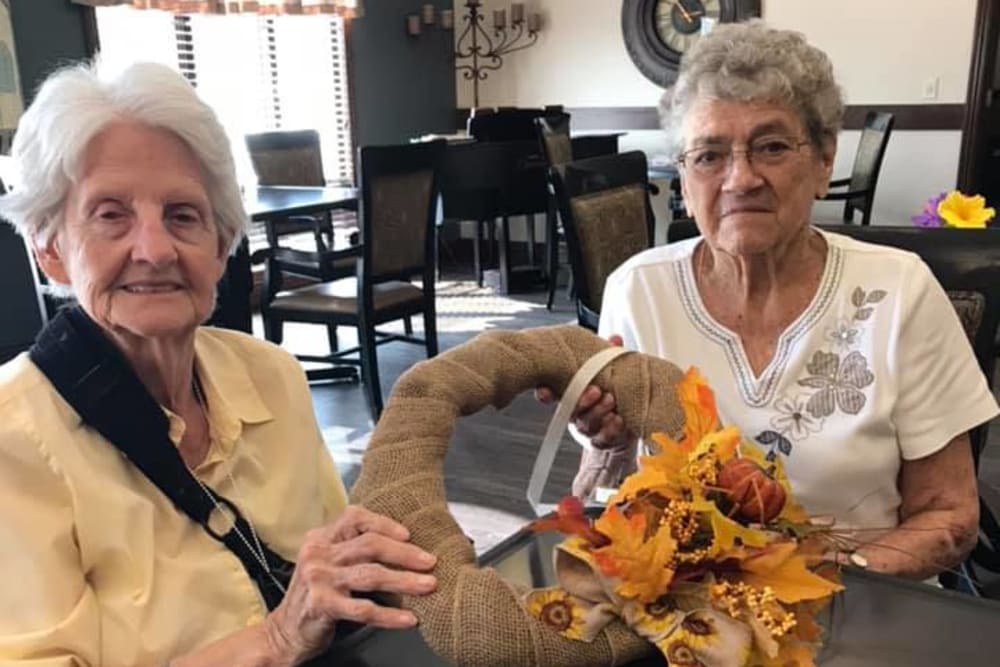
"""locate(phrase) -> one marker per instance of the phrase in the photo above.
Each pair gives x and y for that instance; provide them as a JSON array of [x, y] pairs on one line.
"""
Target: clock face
[[679, 22], [658, 32]]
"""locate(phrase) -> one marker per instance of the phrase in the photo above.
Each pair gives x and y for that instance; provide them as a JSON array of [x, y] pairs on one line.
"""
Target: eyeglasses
[[716, 159]]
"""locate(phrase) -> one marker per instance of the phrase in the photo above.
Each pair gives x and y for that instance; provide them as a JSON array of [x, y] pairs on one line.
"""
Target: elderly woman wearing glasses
[[843, 358], [128, 195]]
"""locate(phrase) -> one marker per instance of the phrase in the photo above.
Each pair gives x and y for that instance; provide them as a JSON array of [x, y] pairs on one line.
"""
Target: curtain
[[346, 8]]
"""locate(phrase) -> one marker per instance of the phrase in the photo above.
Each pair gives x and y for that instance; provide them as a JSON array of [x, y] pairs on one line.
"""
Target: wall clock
[[658, 32]]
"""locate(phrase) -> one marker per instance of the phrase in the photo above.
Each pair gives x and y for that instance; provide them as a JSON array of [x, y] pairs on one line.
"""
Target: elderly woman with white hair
[[843, 358], [127, 194]]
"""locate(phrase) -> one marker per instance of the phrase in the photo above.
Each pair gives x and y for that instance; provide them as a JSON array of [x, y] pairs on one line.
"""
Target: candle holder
[[486, 53]]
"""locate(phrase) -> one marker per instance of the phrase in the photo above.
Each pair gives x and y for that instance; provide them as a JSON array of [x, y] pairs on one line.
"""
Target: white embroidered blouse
[[876, 370]]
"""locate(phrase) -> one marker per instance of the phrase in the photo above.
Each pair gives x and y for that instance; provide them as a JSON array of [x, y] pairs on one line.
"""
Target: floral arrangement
[[703, 551], [954, 209]]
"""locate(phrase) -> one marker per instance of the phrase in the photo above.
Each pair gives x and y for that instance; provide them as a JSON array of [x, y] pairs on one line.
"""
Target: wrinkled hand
[[595, 414], [360, 551]]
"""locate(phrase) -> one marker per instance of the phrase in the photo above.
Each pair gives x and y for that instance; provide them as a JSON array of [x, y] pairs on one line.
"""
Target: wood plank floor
[[487, 469]]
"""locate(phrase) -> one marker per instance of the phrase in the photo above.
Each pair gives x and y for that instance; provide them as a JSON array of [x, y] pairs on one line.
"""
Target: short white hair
[[77, 103]]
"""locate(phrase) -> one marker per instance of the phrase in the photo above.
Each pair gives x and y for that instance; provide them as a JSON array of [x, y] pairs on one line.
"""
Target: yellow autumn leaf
[[727, 532], [724, 443], [642, 566], [786, 572], [647, 478]]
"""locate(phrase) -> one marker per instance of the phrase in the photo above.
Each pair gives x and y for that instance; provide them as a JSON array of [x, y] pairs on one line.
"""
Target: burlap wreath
[[475, 618]]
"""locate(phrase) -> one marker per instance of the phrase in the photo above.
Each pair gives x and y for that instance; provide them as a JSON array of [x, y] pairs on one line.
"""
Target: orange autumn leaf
[[641, 566], [786, 572], [698, 402], [569, 520]]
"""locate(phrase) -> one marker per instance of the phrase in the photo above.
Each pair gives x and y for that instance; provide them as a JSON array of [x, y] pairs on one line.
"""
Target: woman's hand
[[595, 414], [361, 551]]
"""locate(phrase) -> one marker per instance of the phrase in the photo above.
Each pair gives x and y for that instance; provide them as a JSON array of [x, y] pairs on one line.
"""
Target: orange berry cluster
[[762, 604]]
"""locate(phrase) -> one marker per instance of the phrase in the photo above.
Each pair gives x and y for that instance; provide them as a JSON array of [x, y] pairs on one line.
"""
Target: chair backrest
[[967, 264], [287, 158], [399, 192], [554, 139], [605, 209], [868, 163], [473, 179]]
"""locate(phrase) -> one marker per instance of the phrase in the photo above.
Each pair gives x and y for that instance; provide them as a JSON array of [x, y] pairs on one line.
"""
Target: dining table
[[876, 621], [274, 202]]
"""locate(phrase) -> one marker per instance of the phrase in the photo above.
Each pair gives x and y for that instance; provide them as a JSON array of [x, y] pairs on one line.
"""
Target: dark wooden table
[[276, 202], [266, 204], [877, 621]]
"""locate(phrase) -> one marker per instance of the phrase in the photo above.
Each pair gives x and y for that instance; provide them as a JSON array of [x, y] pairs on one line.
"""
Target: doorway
[[979, 164]]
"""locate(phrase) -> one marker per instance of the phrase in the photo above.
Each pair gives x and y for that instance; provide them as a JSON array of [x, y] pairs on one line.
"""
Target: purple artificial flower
[[928, 216]]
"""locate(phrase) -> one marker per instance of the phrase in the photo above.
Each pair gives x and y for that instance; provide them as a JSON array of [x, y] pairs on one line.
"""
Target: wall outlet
[[931, 87]]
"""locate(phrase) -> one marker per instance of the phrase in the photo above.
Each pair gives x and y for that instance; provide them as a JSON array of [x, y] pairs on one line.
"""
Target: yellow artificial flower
[[558, 610], [958, 210]]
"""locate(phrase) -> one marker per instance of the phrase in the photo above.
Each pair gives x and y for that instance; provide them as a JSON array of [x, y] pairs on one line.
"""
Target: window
[[259, 73]]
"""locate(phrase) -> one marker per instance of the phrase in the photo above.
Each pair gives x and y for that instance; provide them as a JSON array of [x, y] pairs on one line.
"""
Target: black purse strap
[[93, 376]]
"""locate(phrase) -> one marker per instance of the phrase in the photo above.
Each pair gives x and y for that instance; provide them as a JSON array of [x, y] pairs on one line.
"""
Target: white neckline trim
[[759, 391]]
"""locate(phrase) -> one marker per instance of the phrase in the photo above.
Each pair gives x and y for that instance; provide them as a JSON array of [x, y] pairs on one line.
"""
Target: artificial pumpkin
[[756, 496]]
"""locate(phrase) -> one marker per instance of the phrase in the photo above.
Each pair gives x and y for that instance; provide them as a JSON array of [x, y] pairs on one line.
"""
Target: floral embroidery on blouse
[[839, 382], [842, 335], [838, 379], [794, 420], [775, 442]]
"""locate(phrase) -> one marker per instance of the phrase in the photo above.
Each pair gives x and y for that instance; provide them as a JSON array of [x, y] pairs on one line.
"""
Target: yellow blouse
[[97, 567]]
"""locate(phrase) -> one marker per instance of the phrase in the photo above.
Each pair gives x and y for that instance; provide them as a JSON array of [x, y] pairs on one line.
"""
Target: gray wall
[[403, 86], [47, 34]]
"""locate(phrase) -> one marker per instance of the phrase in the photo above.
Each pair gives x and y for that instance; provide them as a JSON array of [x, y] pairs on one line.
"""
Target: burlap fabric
[[475, 618]]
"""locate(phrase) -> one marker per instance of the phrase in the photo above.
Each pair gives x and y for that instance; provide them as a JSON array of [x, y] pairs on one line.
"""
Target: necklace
[[258, 552]]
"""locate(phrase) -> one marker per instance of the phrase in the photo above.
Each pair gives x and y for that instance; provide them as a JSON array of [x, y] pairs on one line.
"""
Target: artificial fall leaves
[[673, 526]]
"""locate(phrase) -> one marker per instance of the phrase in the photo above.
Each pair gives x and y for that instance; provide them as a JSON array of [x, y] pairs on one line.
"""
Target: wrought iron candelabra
[[486, 53]]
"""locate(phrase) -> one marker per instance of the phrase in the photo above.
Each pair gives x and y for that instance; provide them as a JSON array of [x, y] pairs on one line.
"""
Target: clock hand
[[684, 12]]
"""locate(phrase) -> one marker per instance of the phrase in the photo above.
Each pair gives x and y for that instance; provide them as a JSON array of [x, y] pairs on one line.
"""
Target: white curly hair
[[751, 61]]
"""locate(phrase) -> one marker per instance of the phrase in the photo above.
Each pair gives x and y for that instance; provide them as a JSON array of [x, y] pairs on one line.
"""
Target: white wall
[[884, 52]]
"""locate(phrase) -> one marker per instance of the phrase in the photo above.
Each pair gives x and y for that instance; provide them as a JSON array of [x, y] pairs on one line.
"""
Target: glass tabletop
[[876, 621]]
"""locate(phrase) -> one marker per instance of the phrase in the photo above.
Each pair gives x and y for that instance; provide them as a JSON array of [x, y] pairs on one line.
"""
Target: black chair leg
[[331, 336], [477, 252], [530, 229], [551, 255], [430, 328], [408, 326], [273, 329], [369, 369]]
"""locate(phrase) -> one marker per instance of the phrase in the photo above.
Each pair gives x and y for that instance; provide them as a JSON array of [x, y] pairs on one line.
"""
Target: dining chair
[[399, 192], [291, 158], [607, 217], [472, 183], [557, 148], [860, 192]]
